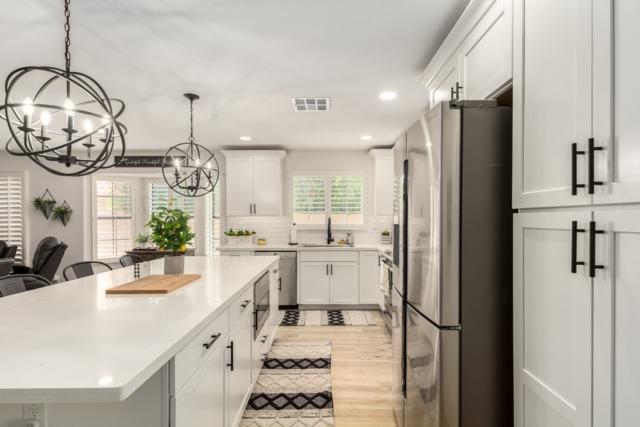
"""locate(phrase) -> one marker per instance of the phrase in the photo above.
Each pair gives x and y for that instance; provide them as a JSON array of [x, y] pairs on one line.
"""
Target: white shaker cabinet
[[552, 321], [201, 401], [314, 283], [254, 182], [616, 321], [343, 277], [616, 127], [485, 57], [239, 365], [446, 83], [552, 53], [383, 181]]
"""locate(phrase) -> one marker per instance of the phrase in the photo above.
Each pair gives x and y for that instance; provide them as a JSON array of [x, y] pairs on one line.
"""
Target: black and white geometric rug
[[293, 388], [329, 318]]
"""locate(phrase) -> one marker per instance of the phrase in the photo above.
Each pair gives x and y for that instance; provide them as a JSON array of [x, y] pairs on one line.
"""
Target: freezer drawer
[[432, 364]]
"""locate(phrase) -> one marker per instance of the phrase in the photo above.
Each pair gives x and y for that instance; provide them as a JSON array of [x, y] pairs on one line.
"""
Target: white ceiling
[[246, 59]]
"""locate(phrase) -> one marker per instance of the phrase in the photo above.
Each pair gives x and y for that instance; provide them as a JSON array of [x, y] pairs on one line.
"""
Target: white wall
[[72, 190]]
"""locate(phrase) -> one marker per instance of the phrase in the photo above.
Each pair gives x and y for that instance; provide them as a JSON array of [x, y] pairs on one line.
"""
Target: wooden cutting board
[[154, 284]]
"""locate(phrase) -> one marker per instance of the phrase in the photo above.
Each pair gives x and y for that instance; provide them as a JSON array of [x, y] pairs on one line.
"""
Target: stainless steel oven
[[261, 306], [387, 289]]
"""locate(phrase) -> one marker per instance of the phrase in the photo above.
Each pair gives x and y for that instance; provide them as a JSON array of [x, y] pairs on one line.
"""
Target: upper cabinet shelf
[[254, 182]]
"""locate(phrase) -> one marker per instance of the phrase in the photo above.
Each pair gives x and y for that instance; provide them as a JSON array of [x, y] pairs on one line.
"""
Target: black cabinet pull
[[230, 347], [327, 268], [264, 339], [331, 269], [280, 284], [592, 148], [574, 168], [246, 303], [453, 94], [593, 231], [214, 338], [574, 246]]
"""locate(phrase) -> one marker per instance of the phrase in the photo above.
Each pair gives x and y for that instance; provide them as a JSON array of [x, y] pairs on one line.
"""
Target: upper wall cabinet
[[383, 181], [576, 132], [254, 182], [475, 61], [616, 87]]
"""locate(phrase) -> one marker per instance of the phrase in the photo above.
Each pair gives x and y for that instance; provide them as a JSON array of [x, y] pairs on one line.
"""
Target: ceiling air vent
[[310, 104]]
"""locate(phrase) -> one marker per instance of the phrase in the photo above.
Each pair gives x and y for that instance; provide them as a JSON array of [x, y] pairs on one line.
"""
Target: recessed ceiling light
[[388, 96], [245, 138], [366, 137]]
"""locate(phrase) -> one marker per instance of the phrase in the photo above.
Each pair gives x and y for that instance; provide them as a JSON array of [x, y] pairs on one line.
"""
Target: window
[[160, 195], [317, 197], [114, 219], [11, 211]]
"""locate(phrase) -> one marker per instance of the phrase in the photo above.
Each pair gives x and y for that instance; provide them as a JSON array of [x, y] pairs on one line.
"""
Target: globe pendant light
[[54, 140], [190, 169]]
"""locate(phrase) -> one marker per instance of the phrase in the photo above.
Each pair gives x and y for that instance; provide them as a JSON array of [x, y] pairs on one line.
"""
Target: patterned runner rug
[[293, 388], [328, 318]]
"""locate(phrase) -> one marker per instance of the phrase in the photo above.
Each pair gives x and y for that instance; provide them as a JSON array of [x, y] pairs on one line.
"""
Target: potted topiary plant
[[62, 213], [170, 231], [385, 237]]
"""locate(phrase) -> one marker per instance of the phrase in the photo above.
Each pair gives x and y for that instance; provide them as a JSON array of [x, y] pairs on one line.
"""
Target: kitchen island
[[136, 360]]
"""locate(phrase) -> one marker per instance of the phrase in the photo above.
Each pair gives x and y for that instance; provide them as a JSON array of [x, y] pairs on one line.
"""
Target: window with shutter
[[12, 210], [212, 221], [114, 219], [316, 197]]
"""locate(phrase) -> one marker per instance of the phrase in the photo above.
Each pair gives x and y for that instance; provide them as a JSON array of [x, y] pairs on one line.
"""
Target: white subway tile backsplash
[[276, 229]]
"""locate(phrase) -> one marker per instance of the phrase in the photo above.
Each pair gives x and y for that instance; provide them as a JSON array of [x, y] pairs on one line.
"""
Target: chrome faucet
[[329, 235]]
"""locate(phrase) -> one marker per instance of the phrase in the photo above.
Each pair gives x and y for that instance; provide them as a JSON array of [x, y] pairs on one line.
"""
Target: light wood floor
[[360, 371]]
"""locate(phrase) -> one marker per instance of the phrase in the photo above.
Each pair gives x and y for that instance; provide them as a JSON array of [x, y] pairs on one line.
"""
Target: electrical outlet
[[35, 411]]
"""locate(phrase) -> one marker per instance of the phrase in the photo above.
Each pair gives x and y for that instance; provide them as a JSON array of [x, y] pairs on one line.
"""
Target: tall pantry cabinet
[[577, 234]]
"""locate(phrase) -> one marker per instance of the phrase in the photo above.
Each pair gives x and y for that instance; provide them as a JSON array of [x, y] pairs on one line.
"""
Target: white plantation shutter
[[212, 220], [160, 195], [317, 197], [114, 219], [309, 199], [12, 210]]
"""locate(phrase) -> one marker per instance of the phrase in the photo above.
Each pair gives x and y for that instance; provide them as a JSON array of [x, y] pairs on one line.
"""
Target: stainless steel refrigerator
[[453, 350]]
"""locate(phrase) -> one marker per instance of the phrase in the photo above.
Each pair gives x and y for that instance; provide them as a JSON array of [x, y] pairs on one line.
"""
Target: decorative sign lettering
[[142, 161]]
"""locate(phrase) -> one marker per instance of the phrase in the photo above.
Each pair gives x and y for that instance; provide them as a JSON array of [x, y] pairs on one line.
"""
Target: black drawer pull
[[592, 249], [230, 347], [574, 168], [264, 339], [574, 246], [246, 303], [214, 338]]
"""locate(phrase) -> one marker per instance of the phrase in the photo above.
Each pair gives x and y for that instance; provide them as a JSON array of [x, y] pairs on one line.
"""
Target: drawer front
[[240, 306], [188, 360], [233, 252], [345, 255]]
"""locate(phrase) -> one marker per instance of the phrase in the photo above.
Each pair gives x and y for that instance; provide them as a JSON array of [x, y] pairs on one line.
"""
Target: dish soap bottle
[[293, 234]]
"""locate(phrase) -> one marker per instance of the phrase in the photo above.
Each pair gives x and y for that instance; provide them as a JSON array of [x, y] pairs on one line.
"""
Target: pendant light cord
[[67, 43], [191, 138]]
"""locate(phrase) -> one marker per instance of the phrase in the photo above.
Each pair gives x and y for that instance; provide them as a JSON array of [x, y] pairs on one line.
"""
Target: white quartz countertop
[[72, 343]]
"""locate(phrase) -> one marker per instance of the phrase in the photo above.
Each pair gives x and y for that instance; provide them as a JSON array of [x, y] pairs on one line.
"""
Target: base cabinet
[[576, 317], [369, 289], [202, 400], [343, 277], [239, 366], [314, 283]]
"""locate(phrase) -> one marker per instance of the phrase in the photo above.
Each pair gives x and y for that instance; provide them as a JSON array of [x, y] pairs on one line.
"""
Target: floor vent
[[310, 104]]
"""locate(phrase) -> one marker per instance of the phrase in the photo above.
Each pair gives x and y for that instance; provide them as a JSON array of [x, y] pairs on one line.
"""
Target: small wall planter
[[62, 213], [45, 204]]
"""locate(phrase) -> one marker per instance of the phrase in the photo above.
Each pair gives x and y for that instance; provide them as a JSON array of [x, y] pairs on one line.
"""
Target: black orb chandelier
[[54, 140], [190, 169]]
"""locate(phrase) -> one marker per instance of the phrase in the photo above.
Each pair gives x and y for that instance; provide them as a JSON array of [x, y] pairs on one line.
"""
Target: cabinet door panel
[[440, 89], [314, 283], [344, 282], [552, 322], [616, 319], [267, 186], [616, 89], [239, 186], [201, 401], [486, 55], [240, 378], [552, 110]]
